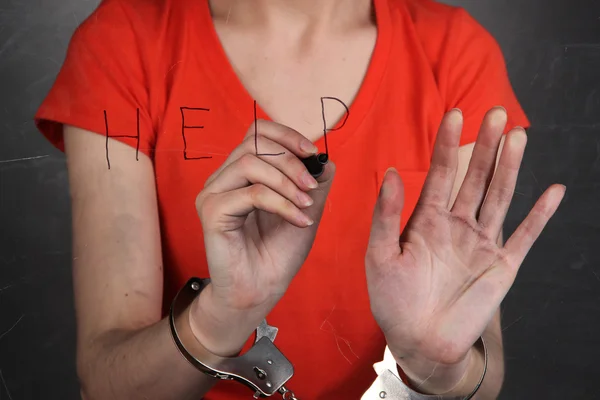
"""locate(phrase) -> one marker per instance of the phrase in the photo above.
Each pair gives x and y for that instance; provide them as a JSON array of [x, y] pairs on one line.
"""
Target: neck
[[293, 13]]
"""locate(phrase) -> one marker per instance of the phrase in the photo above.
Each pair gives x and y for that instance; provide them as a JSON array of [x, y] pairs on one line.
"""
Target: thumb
[[385, 226]]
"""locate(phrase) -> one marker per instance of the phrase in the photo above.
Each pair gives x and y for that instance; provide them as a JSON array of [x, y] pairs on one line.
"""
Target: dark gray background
[[552, 314]]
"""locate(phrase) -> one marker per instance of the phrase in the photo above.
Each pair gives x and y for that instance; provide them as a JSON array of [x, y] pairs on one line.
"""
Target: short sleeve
[[101, 86], [473, 76]]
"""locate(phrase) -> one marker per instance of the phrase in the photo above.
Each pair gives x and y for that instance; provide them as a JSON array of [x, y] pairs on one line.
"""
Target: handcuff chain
[[287, 394]]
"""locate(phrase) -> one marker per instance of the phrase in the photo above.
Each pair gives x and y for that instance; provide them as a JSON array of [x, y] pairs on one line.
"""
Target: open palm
[[434, 292]]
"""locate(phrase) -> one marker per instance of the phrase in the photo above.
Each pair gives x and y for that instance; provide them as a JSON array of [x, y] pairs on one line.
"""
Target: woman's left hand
[[434, 291]]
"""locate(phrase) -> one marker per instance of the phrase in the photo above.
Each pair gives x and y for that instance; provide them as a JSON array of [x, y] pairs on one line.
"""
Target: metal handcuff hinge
[[263, 368]]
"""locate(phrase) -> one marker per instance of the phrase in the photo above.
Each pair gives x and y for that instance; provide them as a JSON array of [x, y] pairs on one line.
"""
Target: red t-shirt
[[164, 58]]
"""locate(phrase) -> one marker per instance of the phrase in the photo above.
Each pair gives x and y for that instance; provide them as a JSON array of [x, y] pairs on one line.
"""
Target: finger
[[500, 194], [526, 234], [249, 170], [287, 137], [259, 141], [227, 211], [437, 188], [385, 225], [286, 162], [481, 166], [319, 195]]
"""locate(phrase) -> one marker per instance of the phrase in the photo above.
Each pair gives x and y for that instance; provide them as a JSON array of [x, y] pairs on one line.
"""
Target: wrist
[[221, 330], [472, 376], [435, 378]]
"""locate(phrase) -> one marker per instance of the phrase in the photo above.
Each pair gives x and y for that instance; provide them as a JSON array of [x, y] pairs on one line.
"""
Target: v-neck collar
[[215, 59]]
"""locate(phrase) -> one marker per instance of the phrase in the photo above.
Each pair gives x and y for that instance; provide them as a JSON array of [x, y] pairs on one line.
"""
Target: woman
[[219, 190]]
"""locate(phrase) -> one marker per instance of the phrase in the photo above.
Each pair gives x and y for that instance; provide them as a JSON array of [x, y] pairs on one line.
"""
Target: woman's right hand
[[259, 216]]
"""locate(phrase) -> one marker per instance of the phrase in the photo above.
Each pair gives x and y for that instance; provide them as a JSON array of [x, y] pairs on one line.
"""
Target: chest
[[207, 109], [288, 76]]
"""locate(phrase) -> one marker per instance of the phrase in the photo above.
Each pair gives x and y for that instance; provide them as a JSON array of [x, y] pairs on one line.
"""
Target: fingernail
[[308, 146], [519, 136], [305, 199], [308, 180], [457, 109], [381, 190], [499, 117], [307, 220]]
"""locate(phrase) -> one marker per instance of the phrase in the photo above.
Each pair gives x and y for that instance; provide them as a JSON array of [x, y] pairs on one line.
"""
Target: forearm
[[142, 364]]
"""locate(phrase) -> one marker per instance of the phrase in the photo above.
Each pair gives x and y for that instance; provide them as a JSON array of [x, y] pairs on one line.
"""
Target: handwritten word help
[[185, 127]]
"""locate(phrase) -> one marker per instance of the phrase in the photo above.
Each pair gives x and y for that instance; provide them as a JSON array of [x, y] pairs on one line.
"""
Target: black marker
[[315, 164]]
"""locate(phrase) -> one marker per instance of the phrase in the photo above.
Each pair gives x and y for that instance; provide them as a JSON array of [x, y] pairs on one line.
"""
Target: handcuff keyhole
[[260, 373]]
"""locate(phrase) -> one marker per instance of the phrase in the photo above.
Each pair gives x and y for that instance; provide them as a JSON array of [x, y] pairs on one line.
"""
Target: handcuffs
[[263, 368]]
